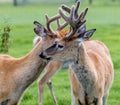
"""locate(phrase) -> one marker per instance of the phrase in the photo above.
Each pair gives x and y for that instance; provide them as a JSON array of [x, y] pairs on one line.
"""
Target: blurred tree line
[[15, 2]]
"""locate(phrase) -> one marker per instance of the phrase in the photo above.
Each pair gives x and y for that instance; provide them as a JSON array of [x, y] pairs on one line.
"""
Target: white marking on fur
[[80, 40], [73, 100], [36, 40]]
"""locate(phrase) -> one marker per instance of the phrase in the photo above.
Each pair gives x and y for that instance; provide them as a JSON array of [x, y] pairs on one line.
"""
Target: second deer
[[90, 60], [16, 74]]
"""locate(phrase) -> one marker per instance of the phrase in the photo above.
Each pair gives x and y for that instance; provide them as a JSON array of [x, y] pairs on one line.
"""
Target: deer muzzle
[[43, 55]]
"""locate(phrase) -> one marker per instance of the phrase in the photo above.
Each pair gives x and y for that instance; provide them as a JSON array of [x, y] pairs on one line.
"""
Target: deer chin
[[61, 59]]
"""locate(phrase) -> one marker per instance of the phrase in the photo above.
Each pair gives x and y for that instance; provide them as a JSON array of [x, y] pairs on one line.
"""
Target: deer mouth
[[43, 56]]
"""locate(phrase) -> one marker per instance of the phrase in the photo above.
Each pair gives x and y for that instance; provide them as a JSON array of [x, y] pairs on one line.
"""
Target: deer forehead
[[60, 34], [63, 32], [59, 41]]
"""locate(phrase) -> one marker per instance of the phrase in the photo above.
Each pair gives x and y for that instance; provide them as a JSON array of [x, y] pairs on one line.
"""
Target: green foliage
[[5, 38], [106, 19]]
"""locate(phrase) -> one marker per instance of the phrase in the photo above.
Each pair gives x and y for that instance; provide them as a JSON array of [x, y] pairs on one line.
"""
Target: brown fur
[[97, 71], [16, 74]]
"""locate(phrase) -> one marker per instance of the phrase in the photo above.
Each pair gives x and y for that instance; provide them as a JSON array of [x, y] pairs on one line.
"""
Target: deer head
[[66, 47], [46, 33]]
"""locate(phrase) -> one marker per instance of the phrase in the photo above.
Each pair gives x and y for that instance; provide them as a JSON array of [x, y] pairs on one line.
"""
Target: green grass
[[106, 19]]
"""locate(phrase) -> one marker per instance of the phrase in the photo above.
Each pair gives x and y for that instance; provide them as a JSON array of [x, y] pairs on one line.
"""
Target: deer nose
[[42, 55]]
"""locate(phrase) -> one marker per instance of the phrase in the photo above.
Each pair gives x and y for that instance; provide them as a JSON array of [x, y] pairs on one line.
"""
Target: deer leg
[[105, 99], [51, 69], [49, 83], [41, 90], [40, 93]]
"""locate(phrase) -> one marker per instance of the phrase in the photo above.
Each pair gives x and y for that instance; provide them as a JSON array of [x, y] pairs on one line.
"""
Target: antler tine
[[66, 8], [63, 15], [76, 9], [74, 20], [63, 26], [58, 23], [49, 20], [60, 27], [66, 18], [82, 15]]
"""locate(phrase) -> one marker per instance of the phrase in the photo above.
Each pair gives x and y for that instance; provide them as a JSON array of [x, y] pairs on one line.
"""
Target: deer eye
[[60, 46]]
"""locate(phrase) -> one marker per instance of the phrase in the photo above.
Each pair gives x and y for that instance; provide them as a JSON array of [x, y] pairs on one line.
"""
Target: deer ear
[[85, 36], [39, 29], [88, 34]]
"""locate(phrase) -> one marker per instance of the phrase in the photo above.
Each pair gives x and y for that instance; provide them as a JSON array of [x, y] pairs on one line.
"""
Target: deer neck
[[30, 66], [82, 68]]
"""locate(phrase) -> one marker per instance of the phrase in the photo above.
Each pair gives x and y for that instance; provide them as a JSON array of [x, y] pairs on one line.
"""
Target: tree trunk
[[90, 1], [15, 2]]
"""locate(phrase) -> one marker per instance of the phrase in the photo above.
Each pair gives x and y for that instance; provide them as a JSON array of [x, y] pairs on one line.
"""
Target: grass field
[[106, 19]]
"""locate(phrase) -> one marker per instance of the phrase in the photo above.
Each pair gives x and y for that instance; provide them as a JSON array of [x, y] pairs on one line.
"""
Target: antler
[[74, 20], [49, 20]]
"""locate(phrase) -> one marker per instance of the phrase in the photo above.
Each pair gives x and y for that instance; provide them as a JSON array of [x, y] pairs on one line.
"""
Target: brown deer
[[50, 68], [53, 66], [16, 74], [90, 60]]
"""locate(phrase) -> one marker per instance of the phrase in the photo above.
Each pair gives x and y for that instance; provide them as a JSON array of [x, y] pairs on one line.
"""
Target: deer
[[91, 65], [53, 66], [16, 74]]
